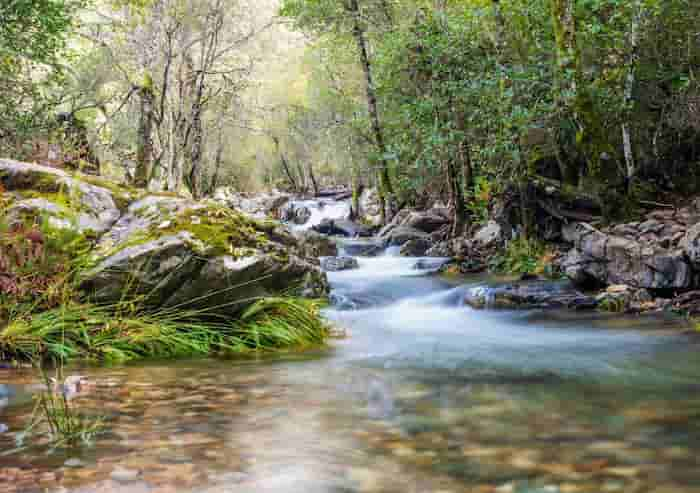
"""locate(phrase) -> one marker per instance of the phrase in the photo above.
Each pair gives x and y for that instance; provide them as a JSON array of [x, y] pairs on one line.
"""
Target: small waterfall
[[320, 209]]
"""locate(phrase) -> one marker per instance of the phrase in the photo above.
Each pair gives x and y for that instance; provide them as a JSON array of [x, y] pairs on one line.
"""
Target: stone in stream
[[426, 221], [534, 294], [433, 264], [399, 235], [489, 235], [342, 227], [295, 213], [123, 475], [314, 244], [416, 247], [334, 264]]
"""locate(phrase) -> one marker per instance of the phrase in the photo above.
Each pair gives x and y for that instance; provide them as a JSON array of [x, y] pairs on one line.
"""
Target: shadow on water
[[424, 395]]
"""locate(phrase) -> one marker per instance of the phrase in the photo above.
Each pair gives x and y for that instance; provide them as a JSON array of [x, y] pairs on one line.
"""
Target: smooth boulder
[[528, 295], [335, 264], [400, 235], [342, 227], [174, 252]]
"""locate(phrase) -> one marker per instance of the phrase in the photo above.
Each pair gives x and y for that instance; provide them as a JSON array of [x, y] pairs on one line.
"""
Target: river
[[423, 394]]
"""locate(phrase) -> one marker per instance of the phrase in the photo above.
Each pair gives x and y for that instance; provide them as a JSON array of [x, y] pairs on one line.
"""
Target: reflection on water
[[425, 395]]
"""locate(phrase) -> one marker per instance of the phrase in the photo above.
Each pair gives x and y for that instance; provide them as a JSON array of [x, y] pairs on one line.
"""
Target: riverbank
[[93, 270]]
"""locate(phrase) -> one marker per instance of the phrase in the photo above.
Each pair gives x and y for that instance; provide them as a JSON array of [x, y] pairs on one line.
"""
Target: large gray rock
[[154, 269], [415, 248], [145, 216], [427, 221], [260, 205], [197, 256], [314, 244], [605, 259], [67, 200], [528, 295], [295, 213], [489, 235], [400, 235], [335, 264], [342, 227]]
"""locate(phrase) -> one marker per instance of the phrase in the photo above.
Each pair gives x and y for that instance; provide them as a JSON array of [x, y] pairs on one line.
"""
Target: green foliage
[[480, 199], [125, 332], [37, 266], [44, 316], [516, 89], [32, 38], [524, 256], [277, 323]]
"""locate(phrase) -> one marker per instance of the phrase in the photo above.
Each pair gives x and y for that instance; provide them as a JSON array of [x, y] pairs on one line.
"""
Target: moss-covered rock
[[161, 249], [67, 201], [181, 254]]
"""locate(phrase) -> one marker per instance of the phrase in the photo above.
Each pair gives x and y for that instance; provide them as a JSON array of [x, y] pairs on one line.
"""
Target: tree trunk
[[144, 149], [630, 82], [304, 185], [218, 159], [466, 186], [387, 192], [312, 177], [196, 172], [355, 212], [285, 164], [454, 186]]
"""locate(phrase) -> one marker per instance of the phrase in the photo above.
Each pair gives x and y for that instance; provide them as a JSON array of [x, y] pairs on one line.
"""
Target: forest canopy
[[425, 100]]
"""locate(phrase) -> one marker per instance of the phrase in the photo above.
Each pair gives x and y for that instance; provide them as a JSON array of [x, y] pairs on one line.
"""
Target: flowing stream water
[[423, 395]]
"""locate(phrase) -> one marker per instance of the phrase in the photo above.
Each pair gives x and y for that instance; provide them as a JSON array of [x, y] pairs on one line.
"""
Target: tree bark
[[144, 149], [285, 164], [312, 177], [630, 82], [355, 212], [385, 186]]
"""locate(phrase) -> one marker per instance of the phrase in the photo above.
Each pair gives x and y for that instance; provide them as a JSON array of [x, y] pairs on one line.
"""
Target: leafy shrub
[[37, 266], [478, 203], [524, 256]]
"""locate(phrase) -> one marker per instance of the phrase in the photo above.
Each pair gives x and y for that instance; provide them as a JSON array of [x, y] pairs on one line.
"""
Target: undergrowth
[[524, 256], [44, 315], [119, 333]]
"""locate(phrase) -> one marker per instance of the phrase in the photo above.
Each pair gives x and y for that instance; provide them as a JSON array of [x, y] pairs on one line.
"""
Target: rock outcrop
[[260, 206], [646, 255], [167, 251], [67, 201]]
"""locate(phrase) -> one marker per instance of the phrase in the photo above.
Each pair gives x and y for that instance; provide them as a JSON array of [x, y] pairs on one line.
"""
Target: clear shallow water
[[424, 395]]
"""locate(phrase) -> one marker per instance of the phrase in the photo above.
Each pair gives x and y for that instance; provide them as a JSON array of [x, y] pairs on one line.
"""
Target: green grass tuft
[[112, 334]]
